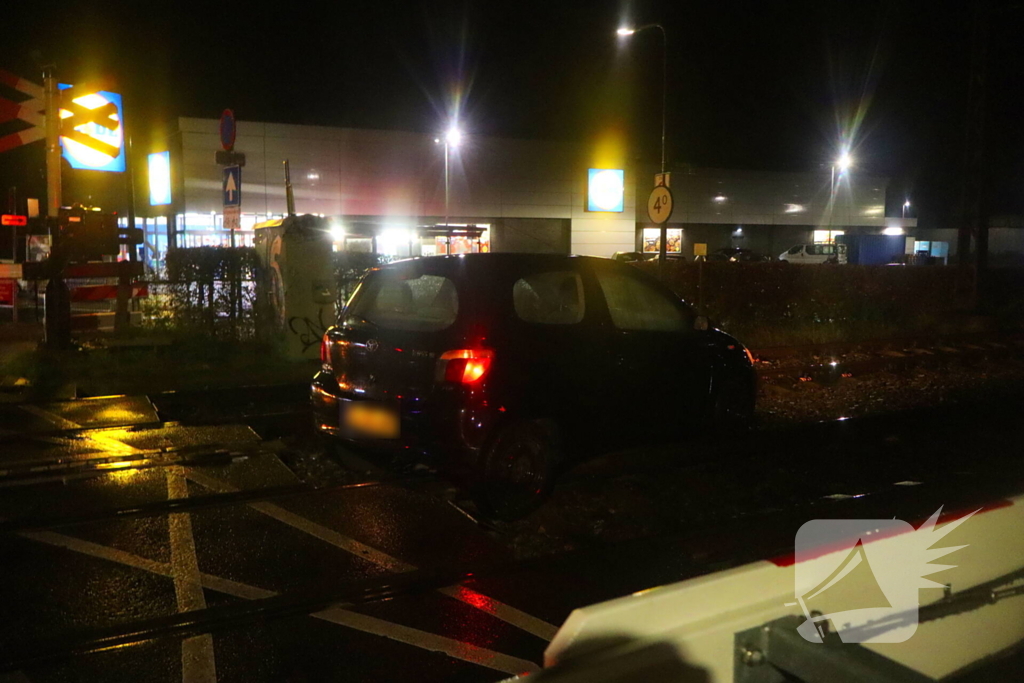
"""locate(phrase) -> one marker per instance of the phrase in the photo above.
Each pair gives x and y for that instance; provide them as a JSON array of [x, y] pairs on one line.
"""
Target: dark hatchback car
[[506, 366], [738, 255]]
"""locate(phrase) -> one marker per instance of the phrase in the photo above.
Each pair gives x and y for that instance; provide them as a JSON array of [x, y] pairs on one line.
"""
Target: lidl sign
[[160, 179], [92, 129], [606, 189]]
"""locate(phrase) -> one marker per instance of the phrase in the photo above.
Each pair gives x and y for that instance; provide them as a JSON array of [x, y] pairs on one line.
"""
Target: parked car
[[737, 255], [505, 367], [814, 254], [632, 256]]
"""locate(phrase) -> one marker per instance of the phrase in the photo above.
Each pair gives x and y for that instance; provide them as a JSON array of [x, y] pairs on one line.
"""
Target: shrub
[[208, 290], [769, 304]]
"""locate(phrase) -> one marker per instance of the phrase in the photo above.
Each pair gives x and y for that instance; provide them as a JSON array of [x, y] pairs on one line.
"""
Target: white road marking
[[495, 608], [502, 611], [326, 535], [197, 660], [429, 641], [359, 622]]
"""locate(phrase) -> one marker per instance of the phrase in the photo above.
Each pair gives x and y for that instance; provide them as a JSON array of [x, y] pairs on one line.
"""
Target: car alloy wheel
[[518, 469]]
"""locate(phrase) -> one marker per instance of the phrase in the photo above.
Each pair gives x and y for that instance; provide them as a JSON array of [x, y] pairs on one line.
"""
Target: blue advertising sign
[[160, 179], [606, 189]]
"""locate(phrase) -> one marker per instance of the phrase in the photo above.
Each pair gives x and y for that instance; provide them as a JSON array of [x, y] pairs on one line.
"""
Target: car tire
[[732, 409], [517, 469]]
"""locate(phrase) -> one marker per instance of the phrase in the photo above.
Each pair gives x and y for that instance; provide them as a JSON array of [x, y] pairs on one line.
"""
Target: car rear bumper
[[443, 430]]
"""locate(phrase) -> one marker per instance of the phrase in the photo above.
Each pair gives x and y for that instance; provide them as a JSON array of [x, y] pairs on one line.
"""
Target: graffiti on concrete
[[309, 332]]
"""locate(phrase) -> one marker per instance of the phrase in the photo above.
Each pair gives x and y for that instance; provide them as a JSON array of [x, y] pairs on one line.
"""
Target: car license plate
[[370, 419]]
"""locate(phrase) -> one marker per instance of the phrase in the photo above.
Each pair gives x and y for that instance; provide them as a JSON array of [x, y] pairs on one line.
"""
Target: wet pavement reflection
[[624, 522]]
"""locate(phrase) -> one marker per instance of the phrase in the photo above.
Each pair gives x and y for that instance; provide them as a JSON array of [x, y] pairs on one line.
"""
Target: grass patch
[[185, 363]]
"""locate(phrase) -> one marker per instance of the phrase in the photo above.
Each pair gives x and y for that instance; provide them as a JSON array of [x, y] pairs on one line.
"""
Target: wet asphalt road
[[390, 581]]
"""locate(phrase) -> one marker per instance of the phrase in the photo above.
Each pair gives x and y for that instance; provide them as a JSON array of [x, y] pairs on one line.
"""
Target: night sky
[[761, 85]]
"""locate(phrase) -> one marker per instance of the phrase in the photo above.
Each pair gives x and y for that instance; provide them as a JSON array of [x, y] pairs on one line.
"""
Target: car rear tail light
[[465, 366], [325, 352]]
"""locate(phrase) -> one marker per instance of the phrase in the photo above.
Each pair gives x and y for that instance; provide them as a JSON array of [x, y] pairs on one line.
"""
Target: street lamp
[[452, 139], [843, 163], [627, 31], [906, 205]]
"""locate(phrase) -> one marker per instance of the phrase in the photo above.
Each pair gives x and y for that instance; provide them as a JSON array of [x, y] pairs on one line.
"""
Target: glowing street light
[[452, 139], [843, 163], [625, 31], [906, 205]]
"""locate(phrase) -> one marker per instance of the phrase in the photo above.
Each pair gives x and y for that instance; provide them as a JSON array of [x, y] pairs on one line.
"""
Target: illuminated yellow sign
[[92, 130]]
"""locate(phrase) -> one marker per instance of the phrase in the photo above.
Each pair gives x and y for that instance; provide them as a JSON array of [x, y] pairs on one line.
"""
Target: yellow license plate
[[371, 420]]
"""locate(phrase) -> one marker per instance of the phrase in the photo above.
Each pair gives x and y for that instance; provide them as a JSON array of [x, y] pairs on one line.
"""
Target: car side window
[[797, 249], [635, 305], [549, 298]]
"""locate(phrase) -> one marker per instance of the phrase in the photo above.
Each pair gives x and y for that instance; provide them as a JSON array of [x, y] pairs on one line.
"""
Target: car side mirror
[[701, 323]]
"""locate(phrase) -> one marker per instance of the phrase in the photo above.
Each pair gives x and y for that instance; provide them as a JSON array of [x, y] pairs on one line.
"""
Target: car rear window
[[550, 298], [426, 303]]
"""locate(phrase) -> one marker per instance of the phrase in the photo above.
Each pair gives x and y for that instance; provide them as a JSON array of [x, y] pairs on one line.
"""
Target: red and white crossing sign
[[30, 111], [104, 292], [8, 292]]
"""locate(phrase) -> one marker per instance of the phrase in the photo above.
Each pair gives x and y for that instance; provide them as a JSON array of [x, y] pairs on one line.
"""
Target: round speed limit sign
[[659, 206]]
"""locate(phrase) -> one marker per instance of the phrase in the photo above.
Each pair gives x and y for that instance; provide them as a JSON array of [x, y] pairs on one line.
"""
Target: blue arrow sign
[[232, 186]]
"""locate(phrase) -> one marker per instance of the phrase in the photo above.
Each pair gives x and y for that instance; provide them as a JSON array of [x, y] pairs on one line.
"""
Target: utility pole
[[289, 194], [52, 104], [122, 316], [973, 202], [58, 298]]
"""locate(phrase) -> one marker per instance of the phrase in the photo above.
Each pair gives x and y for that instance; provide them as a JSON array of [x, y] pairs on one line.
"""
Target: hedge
[[769, 304], [208, 290]]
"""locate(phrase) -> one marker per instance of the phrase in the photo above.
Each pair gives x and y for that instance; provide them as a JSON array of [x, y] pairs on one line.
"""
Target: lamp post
[[627, 31], [843, 162], [906, 205], [451, 139]]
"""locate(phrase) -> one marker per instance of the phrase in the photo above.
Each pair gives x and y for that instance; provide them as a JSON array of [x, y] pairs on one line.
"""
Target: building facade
[[531, 196]]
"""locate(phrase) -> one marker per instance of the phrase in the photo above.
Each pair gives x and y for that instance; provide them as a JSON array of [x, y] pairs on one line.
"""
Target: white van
[[815, 253]]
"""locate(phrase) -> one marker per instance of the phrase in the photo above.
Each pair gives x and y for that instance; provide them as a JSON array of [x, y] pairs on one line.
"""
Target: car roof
[[504, 258]]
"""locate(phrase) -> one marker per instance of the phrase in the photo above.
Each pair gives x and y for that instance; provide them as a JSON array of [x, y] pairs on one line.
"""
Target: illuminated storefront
[[652, 241], [401, 242]]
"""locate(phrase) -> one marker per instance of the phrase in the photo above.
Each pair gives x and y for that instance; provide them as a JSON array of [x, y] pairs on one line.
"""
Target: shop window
[[635, 305], [827, 236], [551, 298], [652, 240]]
